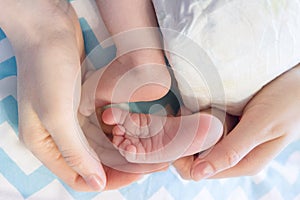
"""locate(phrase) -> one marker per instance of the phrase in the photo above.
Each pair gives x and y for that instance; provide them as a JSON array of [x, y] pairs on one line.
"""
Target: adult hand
[[270, 122], [47, 41]]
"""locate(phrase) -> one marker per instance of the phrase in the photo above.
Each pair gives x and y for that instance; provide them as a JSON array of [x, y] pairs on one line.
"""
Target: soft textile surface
[[228, 49], [22, 176]]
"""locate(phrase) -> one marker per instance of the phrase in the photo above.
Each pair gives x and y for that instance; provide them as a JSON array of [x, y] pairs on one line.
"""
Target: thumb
[[230, 150], [74, 148], [63, 125]]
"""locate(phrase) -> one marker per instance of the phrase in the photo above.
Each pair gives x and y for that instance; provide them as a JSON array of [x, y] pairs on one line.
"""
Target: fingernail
[[201, 171], [95, 182]]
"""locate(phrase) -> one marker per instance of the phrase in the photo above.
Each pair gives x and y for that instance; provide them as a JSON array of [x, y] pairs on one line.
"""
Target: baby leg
[[151, 138], [139, 66]]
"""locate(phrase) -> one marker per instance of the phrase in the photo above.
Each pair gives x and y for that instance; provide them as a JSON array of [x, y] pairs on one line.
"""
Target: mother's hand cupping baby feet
[[47, 41], [49, 48], [270, 122]]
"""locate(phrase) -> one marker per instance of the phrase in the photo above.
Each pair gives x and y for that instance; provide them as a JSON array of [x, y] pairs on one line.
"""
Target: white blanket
[[226, 51]]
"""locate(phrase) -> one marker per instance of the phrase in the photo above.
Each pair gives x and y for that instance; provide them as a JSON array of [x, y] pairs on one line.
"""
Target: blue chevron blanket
[[22, 176]]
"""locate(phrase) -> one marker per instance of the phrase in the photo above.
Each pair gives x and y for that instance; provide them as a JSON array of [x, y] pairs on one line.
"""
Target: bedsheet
[[22, 176]]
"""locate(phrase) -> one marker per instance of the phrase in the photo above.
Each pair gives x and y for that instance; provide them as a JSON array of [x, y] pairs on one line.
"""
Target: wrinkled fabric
[[247, 43]]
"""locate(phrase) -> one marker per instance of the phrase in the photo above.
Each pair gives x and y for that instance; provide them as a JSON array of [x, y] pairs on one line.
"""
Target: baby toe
[[117, 140], [118, 130]]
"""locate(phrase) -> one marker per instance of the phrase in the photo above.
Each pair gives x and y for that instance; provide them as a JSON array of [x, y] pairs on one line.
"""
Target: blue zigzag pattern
[[2, 34], [179, 191], [9, 112], [42, 176], [26, 184], [8, 68], [99, 56]]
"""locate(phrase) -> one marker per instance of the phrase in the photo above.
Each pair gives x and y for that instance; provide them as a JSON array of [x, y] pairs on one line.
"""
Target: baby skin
[[140, 137], [152, 138]]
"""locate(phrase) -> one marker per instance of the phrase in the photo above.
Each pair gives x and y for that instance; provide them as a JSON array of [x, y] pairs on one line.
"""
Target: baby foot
[[129, 78], [150, 138]]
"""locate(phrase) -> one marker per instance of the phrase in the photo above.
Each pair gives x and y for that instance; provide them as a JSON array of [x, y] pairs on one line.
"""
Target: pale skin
[[48, 100], [140, 15], [139, 135], [128, 136], [125, 18], [269, 123], [48, 141]]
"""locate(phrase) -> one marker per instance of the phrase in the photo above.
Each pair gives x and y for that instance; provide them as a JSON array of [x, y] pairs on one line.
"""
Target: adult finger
[[256, 160], [183, 166], [117, 179], [57, 106], [39, 141], [233, 148]]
